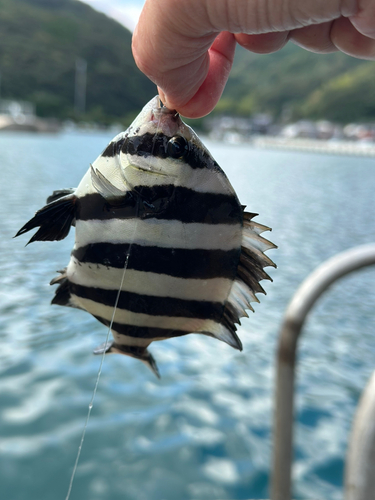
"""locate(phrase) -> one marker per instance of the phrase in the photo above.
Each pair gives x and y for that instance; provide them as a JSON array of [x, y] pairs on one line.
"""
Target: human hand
[[187, 47]]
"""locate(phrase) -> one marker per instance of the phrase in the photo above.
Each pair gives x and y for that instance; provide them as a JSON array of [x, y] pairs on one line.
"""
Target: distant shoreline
[[353, 148]]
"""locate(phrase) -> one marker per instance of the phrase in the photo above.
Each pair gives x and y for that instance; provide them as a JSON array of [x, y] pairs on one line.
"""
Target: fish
[[163, 248]]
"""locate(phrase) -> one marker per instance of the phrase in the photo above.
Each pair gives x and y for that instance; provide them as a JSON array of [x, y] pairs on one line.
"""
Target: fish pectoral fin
[[60, 193], [54, 220], [104, 187], [140, 353]]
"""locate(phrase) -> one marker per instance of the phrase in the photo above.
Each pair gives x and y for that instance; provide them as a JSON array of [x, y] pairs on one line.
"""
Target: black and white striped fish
[[156, 216]]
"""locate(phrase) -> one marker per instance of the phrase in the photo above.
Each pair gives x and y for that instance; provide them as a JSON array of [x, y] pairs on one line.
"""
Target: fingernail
[[162, 96]]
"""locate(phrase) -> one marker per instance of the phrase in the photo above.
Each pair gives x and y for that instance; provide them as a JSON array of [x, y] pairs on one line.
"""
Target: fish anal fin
[[54, 220]]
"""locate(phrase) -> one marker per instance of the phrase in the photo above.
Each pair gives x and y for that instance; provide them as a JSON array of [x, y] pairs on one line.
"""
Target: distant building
[[19, 110], [19, 116]]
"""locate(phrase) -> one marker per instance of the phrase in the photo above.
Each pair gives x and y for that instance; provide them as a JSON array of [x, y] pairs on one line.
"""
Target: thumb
[[176, 42], [201, 94]]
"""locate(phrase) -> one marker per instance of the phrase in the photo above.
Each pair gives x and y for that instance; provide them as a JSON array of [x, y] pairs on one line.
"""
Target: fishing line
[[91, 404]]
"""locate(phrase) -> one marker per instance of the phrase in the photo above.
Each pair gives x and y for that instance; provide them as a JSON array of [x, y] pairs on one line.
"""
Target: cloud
[[125, 12]]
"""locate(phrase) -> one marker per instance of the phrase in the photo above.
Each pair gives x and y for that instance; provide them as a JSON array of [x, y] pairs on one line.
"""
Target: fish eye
[[177, 147]]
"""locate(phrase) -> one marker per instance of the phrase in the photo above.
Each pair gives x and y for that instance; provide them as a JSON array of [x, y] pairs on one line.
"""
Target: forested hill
[[40, 41], [294, 83]]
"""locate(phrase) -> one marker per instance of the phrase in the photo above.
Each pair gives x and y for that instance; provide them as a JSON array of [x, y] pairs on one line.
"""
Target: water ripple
[[204, 430]]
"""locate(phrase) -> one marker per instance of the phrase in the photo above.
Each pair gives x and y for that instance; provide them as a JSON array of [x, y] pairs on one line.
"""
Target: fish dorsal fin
[[104, 187], [226, 332], [250, 269], [54, 220]]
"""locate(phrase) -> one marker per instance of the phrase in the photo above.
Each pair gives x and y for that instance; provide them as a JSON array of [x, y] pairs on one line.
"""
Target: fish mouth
[[161, 105], [156, 118], [166, 120]]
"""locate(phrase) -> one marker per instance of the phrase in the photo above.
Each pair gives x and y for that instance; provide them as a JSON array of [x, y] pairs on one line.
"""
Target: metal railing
[[360, 464], [364, 428]]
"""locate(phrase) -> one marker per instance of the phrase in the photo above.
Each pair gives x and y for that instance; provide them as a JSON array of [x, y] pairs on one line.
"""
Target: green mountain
[[294, 83], [347, 97], [40, 41]]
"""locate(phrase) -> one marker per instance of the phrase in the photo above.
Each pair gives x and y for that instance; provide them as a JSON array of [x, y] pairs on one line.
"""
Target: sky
[[125, 12]]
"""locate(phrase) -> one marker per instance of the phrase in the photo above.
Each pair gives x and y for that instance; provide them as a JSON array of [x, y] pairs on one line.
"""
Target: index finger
[[201, 98]]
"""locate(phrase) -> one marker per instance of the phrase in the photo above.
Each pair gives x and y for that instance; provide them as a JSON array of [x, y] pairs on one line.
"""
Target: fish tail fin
[[140, 353], [54, 220], [150, 362]]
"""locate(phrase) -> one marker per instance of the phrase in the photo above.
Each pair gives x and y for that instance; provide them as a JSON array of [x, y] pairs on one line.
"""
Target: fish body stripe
[[157, 285], [139, 335], [113, 148], [128, 318], [155, 306], [165, 202], [156, 145], [178, 262], [126, 172], [169, 234]]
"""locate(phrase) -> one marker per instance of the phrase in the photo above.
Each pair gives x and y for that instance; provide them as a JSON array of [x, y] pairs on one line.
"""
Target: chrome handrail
[[299, 307], [360, 463]]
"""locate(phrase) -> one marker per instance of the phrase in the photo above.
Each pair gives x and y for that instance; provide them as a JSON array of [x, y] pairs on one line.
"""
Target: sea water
[[204, 431]]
